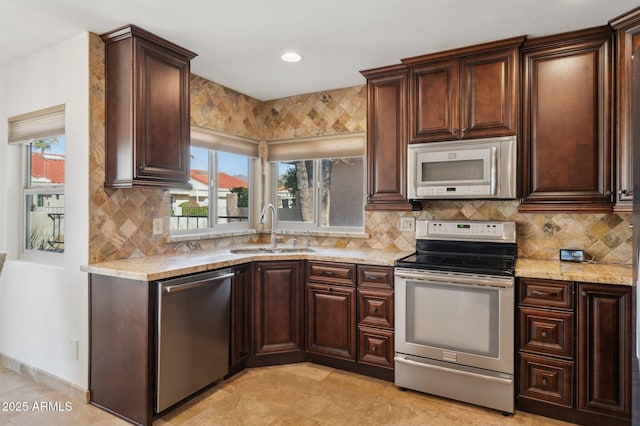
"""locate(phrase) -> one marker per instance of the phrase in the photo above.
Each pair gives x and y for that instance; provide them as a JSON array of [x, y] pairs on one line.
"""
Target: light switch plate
[[407, 224]]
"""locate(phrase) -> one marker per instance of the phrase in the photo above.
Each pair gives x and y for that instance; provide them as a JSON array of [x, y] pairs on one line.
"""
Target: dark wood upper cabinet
[[567, 132], [627, 29], [466, 93], [387, 138], [147, 110]]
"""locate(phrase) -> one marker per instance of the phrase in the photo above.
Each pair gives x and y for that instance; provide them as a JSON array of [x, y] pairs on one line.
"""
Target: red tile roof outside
[[48, 167], [224, 180]]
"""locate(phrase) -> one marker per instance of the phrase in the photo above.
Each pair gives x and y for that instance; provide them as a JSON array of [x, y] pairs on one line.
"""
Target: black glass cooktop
[[470, 257]]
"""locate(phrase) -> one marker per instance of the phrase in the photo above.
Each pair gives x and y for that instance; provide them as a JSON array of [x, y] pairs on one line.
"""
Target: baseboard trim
[[56, 383]]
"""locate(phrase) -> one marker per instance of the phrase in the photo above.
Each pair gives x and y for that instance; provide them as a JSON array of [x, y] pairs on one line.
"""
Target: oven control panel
[[466, 230]]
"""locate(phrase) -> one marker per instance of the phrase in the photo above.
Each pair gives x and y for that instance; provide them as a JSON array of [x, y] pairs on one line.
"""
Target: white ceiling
[[239, 42]]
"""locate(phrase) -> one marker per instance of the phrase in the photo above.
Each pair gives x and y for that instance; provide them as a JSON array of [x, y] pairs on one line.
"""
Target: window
[[323, 193], [44, 194], [222, 171], [318, 183], [41, 135]]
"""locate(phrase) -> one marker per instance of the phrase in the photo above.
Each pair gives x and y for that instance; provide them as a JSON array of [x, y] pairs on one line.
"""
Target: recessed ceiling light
[[291, 57]]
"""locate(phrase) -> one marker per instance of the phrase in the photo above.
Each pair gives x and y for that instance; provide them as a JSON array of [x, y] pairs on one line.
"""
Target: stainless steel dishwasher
[[192, 334]]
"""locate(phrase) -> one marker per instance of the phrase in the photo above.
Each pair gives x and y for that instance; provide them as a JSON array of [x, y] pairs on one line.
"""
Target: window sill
[[209, 235], [215, 235]]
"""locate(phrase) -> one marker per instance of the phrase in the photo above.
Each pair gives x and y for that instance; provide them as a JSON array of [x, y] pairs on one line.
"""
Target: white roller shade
[[45, 123], [344, 145], [220, 141]]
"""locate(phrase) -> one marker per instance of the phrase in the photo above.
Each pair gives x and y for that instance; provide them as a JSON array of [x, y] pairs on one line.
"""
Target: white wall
[[43, 305]]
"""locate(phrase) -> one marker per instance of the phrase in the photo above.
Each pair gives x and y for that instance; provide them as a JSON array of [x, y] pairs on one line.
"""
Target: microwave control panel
[[438, 191]]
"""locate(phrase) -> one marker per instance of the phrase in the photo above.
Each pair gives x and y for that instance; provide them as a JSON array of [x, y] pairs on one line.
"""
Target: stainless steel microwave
[[463, 169]]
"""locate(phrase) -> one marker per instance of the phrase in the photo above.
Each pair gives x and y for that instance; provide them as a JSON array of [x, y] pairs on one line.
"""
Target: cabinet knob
[[545, 381], [374, 348], [545, 334], [375, 310], [583, 293], [330, 289]]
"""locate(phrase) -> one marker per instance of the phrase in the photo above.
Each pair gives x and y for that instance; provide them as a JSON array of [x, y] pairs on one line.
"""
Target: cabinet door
[[604, 349], [162, 130], [567, 123], [240, 314], [434, 106], [331, 320], [277, 307], [489, 94], [627, 42], [387, 139]]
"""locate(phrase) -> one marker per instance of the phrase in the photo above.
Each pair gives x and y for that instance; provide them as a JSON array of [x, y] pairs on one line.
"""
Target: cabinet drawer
[[331, 273], [546, 293], [546, 379], [375, 276], [375, 308], [546, 332], [375, 346]]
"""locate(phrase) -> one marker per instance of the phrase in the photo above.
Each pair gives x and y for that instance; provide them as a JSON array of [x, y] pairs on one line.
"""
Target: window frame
[[315, 225], [217, 145], [29, 188]]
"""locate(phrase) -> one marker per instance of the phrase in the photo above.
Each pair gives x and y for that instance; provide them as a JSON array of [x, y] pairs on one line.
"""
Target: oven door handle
[[403, 360], [456, 279]]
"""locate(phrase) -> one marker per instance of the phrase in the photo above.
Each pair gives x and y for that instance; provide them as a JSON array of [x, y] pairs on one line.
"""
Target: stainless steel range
[[455, 312]]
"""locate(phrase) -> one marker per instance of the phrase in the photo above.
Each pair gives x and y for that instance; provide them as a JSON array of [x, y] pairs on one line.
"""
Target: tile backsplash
[[121, 220]]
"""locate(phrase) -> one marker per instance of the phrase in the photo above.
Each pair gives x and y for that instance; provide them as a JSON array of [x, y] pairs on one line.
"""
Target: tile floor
[[296, 394]]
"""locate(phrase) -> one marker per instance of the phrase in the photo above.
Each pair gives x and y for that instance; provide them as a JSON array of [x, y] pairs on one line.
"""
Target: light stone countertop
[[151, 268], [570, 271]]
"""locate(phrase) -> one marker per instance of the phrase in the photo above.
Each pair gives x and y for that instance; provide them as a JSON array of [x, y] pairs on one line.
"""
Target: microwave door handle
[[494, 170]]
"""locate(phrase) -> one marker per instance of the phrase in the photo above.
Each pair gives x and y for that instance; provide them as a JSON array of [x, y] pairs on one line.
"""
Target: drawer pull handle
[[545, 334], [545, 381], [371, 278], [329, 273], [542, 293]]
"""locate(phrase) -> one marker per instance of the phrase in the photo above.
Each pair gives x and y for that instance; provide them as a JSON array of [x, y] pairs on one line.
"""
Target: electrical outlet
[[73, 348], [407, 224], [157, 226]]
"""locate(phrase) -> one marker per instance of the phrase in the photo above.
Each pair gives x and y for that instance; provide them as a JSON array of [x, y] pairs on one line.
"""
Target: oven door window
[[453, 317]]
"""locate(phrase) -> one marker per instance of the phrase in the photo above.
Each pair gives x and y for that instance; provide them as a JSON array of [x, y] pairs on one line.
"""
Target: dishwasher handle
[[195, 284]]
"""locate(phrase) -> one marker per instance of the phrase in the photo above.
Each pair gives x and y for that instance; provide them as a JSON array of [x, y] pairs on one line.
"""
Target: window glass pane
[[232, 185], [190, 208], [295, 191], [44, 222], [342, 192], [47, 158]]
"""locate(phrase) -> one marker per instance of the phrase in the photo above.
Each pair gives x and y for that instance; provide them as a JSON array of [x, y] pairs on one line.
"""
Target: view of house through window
[[322, 192], [44, 194], [219, 194]]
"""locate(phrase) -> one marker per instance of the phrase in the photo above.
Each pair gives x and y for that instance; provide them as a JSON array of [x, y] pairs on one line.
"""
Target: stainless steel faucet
[[274, 242]]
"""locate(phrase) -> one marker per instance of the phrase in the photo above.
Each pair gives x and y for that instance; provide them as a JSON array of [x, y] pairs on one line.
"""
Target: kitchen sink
[[257, 250]]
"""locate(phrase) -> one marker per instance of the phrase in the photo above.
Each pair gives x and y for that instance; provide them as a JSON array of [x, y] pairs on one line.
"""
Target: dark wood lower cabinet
[[578, 373], [331, 320], [277, 310], [122, 347], [240, 316], [604, 349]]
